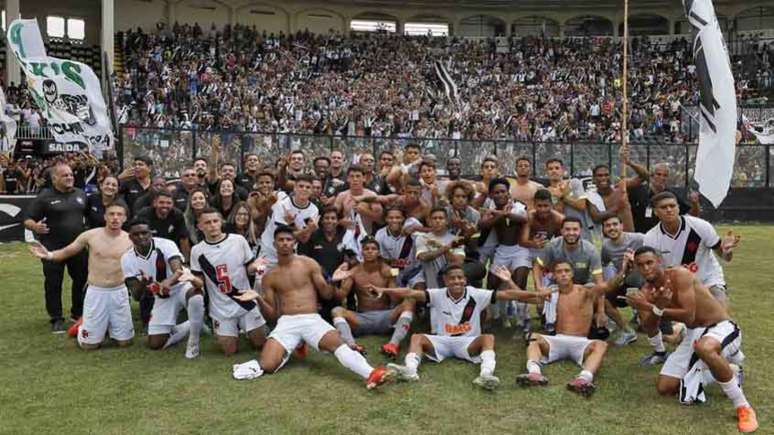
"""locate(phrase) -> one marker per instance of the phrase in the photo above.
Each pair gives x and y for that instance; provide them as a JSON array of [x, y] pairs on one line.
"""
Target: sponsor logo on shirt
[[457, 329]]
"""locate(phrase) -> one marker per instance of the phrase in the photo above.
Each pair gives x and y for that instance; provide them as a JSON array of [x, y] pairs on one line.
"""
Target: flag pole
[[625, 108]]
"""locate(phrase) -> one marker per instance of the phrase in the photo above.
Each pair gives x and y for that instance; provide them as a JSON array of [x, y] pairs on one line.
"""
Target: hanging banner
[[67, 92]]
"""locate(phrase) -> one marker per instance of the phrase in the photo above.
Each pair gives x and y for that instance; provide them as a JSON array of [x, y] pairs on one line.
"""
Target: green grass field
[[49, 385]]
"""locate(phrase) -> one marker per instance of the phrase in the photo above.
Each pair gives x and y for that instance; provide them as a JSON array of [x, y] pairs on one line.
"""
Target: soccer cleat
[[359, 349], [192, 350], [531, 379], [301, 351], [550, 328], [654, 359], [487, 382], [72, 331], [581, 386], [390, 350], [746, 420], [626, 337], [58, 327], [379, 376], [404, 373]]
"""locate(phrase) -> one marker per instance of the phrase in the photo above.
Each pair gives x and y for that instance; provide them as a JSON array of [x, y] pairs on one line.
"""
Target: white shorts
[[563, 347], [291, 330], [106, 310], [165, 311], [230, 326], [512, 257], [726, 333], [452, 347]]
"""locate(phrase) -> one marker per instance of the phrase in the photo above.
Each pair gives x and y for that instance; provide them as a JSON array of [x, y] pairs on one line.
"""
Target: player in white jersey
[[221, 264], [690, 241], [399, 249], [295, 211], [156, 265], [455, 318]]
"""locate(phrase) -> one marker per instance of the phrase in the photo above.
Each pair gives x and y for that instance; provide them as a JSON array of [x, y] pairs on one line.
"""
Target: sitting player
[[574, 314], [397, 246], [155, 265], [455, 316], [375, 315]]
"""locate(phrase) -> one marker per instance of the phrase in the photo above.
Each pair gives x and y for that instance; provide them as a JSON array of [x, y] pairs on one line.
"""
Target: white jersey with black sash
[[156, 264], [458, 317], [223, 266]]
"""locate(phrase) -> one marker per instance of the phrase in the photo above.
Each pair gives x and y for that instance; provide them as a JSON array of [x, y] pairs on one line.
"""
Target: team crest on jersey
[[84, 333], [79, 200]]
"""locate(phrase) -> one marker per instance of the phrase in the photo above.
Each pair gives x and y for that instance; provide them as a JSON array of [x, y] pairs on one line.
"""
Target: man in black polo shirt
[[166, 222], [188, 183], [252, 167], [653, 184], [159, 184], [57, 217], [138, 185]]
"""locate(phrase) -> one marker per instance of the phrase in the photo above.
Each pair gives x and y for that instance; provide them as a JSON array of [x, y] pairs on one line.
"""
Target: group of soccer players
[[336, 254]]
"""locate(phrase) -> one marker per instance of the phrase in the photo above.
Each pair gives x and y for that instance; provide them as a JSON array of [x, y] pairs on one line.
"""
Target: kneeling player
[[296, 281], [574, 314], [374, 315], [455, 316], [712, 341], [156, 265], [221, 263]]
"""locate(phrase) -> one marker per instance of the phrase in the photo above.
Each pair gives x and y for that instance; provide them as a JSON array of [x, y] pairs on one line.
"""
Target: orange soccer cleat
[[747, 421], [379, 376], [390, 350], [72, 331]]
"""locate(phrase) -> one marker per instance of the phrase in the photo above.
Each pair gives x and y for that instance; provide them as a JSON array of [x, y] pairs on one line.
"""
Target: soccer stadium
[[386, 216]]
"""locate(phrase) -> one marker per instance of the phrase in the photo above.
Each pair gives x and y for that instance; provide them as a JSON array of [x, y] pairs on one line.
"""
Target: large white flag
[[717, 133], [67, 92], [9, 127]]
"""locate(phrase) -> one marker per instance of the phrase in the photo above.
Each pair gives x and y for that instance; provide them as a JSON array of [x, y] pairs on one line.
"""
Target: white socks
[[179, 332], [195, 317], [733, 392], [402, 327], [657, 342], [353, 361], [533, 366], [345, 331], [586, 375], [487, 363], [412, 361]]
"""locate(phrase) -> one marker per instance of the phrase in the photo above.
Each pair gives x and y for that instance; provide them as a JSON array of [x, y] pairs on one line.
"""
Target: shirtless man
[[574, 315], [544, 223], [711, 349], [106, 305], [608, 200], [290, 295], [455, 317], [524, 189], [350, 202], [375, 315]]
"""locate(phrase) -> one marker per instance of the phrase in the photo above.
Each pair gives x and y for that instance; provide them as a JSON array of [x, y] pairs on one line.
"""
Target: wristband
[[657, 311], [49, 256]]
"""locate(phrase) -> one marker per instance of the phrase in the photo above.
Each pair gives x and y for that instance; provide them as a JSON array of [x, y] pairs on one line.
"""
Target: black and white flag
[[448, 83], [717, 133]]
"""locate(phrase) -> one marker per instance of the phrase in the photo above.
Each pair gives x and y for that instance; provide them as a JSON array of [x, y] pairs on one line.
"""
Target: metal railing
[[173, 149]]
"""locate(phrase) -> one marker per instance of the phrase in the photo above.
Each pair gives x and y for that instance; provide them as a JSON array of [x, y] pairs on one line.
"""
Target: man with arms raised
[[374, 315], [106, 305], [221, 264], [290, 295], [713, 341], [574, 316], [455, 318], [155, 266]]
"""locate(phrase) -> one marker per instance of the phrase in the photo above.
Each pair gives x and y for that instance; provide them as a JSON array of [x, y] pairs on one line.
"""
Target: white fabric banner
[[67, 92], [717, 107], [8, 140]]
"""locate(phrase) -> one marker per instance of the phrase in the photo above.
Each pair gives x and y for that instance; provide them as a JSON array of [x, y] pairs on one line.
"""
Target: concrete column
[[108, 30], [12, 72], [171, 12], [399, 28]]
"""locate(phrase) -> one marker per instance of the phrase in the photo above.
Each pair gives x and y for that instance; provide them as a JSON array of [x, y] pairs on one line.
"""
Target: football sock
[[412, 361], [179, 332], [346, 332], [353, 361], [657, 342], [402, 327], [195, 317], [733, 392], [488, 363], [533, 366]]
